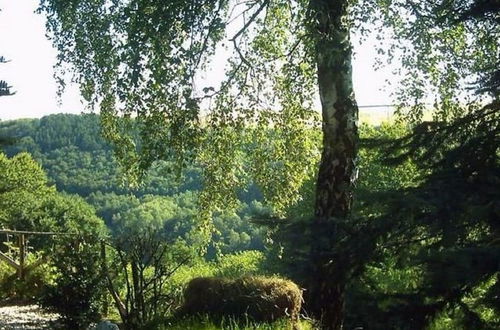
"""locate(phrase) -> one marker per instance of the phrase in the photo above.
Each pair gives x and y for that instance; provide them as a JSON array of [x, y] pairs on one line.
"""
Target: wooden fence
[[21, 242]]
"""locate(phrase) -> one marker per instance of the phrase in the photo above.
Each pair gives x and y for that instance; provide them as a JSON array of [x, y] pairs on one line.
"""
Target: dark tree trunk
[[337, 171]]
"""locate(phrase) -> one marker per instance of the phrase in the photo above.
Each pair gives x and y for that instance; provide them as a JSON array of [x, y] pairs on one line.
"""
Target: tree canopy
[[28, 202], [143, 59], [139, 61]]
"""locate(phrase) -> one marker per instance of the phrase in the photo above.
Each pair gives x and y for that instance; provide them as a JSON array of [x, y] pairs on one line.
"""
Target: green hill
[[79, 161]]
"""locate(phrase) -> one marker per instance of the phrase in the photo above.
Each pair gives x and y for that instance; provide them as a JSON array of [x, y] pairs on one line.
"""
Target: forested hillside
[[79, 161], [77, 158], [395, 250]]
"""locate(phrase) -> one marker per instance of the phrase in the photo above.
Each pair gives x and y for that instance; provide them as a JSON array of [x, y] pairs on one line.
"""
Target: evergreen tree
[[447, 226], [4, 87], [4, 91]]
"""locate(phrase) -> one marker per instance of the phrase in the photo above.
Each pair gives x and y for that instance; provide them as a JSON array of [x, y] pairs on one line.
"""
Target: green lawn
[[204, 323]]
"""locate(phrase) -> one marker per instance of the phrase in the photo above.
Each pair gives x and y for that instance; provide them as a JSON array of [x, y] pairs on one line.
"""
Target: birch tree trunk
[[337, 171]]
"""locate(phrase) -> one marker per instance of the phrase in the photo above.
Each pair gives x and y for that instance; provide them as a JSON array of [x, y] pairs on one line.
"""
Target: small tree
[[137, 280], [78, 289]]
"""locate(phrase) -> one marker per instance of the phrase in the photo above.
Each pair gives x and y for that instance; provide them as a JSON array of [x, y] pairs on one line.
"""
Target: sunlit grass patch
[[205, 323]]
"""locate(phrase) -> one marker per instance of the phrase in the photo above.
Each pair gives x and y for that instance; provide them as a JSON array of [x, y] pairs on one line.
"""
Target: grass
[[205, 323]]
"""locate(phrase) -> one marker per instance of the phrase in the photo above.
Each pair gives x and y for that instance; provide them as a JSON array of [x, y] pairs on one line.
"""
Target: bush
[[78, 291], [239, 264], [27, 290]]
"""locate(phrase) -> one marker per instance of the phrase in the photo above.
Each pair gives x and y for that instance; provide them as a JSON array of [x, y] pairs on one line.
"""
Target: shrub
[[239, 264], [28, 289], [78, 291], [138, 272]]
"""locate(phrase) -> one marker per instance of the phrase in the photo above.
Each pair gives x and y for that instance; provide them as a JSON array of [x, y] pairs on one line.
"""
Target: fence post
[[22, 255], [105, 307]]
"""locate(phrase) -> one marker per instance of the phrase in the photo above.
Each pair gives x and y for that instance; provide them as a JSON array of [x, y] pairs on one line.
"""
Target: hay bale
[[263, 299]]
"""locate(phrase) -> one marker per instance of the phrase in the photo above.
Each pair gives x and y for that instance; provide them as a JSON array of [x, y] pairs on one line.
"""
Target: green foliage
[[23, 188], [170, 125], [440, 241], [231, 266], [138, 267], [176, 216], [28, 289], [78, 289], [107, 205], [462, 318], [390, 279], [78, 162], [374, 173], [70, 282], [4, 87], [29, 203], [71, 214], [436, 263], [139, 59], [247, 262], [441, 50]]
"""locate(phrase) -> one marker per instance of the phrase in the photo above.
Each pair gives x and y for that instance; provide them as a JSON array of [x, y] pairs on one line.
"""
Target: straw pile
[[262, 299]]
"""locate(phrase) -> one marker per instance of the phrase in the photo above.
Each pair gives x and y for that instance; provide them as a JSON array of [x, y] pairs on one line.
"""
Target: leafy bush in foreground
[[78, 291]]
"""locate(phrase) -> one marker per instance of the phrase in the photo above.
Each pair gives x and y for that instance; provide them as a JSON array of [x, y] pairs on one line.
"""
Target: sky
[[30, 70]]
